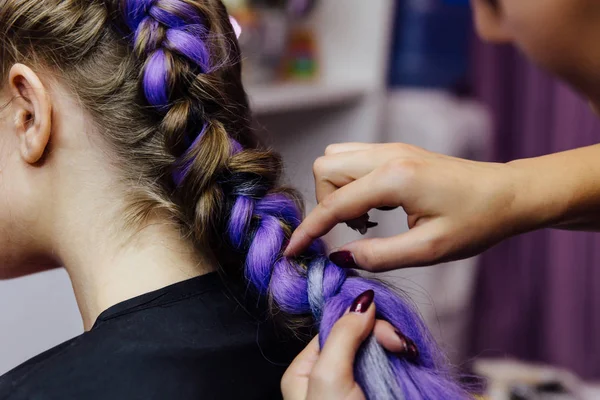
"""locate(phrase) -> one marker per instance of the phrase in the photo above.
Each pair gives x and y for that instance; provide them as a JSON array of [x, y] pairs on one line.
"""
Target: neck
[[84, 227], [106, 270]]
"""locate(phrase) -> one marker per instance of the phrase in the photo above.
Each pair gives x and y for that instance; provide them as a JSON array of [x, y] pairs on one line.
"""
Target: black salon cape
[[187, 341]]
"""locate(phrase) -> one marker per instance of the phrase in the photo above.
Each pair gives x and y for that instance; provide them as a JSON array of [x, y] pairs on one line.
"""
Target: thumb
[[420, 246], [294, 384], [333, 374]]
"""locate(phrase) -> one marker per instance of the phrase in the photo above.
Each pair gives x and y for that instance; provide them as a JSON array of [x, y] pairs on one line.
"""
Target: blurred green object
[[235, 5], [301, 59], [274, 41]]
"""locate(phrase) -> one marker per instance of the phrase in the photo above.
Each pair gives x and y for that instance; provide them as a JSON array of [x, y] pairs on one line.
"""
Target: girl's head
[[560, 35], [135, 105], [122, 115]]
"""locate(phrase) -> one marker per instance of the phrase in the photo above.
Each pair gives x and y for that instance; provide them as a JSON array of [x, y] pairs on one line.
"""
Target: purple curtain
[[538, 295]]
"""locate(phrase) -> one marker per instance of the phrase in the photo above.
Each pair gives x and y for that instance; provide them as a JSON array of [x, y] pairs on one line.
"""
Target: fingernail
[[343, 259], [363, 302], [410, 352]]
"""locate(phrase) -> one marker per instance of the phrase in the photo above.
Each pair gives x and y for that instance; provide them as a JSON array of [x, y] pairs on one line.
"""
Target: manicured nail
[[410, 352], [363, 302], [343, 259]]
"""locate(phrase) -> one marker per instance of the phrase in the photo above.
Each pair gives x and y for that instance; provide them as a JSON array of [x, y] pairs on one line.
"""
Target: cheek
[[16, 265], [551, 32], [8, 139], [542, 30], [12, 239], [18, 255]]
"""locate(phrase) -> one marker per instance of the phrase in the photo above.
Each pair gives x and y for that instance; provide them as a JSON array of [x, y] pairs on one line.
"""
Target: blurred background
[[525, 315]]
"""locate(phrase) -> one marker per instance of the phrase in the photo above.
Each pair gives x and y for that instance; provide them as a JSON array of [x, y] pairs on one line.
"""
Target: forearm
[[560, 190]]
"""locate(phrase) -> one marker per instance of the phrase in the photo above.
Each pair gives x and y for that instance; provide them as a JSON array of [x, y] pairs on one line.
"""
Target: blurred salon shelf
[[345, 104], [289, 97]]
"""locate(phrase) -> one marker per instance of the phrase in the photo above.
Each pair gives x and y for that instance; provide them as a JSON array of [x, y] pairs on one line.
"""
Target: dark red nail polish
[[343, 259], [363, 302], [410, 352]]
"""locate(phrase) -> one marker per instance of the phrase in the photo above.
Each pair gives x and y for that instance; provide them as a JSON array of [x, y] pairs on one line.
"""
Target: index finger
[[339, 148], [347, 203]]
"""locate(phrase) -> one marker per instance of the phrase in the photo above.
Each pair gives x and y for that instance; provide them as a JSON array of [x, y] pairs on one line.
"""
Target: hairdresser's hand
[[456, 208], [329, 373]]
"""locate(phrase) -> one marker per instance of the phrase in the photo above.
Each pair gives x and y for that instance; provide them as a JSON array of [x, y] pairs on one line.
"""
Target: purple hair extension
[[156, 79], [313, 284]]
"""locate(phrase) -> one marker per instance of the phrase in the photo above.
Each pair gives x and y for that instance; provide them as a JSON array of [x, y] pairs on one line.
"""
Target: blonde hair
[[88, 47]]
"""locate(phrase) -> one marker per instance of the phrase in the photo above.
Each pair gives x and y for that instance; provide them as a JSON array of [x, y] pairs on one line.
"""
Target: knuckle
[[332, 149], [329, 208], [406, 148], [328, 203], [403, 166], [402, 171], [370, 257], [320, 166], [435, 248], [344, 326]]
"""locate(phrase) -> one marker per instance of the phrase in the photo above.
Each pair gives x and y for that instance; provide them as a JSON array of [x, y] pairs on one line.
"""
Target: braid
[[230, 187]]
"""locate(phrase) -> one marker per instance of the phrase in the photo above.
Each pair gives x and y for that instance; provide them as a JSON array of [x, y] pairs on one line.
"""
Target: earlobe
[[33, 112], [489, 21]]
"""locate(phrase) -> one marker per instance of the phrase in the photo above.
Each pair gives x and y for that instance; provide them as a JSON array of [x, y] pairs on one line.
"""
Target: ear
[[33, 112], [489, 21]]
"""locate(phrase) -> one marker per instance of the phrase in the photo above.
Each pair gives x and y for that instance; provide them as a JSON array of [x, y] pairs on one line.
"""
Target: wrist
[[537, 202]]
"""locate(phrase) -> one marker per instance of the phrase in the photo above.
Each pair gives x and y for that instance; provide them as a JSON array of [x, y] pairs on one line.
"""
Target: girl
[[127, 156]]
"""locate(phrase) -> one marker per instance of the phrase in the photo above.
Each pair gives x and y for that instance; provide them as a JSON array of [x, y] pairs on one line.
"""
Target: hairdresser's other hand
[[329, 373], [456, 208]]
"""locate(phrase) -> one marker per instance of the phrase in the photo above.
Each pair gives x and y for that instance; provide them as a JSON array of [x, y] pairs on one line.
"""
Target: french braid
[[259, 217]]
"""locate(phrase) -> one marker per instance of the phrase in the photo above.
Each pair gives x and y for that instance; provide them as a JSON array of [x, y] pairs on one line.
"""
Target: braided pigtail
[[227, 188]]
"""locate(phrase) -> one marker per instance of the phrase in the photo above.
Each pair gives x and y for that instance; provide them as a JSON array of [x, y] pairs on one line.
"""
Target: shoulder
[[181, 350], [136, 373]]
